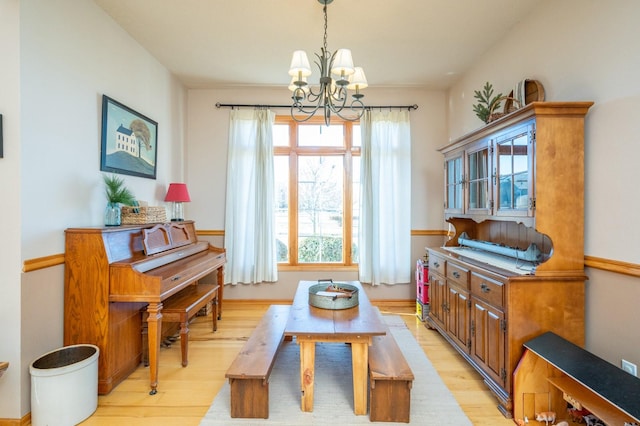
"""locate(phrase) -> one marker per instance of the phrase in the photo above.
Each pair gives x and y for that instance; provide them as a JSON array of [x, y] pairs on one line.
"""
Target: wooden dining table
[[356, 325]]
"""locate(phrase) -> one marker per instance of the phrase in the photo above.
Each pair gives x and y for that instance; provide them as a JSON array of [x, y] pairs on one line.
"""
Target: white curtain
[[385, 210], [249, 218]]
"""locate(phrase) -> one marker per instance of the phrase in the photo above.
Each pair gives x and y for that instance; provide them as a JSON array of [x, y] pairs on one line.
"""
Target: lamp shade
[[177, 193], [357, 80], [342, 62], [300, 64]]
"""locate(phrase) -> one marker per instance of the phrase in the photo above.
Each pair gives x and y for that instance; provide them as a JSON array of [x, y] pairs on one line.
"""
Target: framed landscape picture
[[129, 141]]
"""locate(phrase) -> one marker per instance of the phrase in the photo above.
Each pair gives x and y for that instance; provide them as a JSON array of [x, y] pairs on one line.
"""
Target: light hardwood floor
[[185, 394]]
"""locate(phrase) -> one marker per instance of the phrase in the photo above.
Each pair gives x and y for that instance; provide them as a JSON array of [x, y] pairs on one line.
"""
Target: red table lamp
[[177, 194]]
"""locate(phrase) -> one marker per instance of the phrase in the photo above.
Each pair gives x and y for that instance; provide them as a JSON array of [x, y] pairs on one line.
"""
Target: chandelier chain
[[325, 26]]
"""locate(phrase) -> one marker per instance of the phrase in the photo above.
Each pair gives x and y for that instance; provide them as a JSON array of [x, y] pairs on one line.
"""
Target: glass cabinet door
[[513, 168], [453, 184], [478, 179]]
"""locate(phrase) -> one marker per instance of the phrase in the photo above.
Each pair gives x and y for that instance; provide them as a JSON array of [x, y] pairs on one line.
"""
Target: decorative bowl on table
[[333, 295]]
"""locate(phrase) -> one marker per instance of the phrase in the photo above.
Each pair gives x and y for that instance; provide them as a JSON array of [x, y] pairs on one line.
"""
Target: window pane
[[320, 135], [454, 183], [473, 166], [520, 155], [478, 179], [473, 195], [280, 135], [281, 177], [357, 136], [505, 192], [320, 219], [504, 159]]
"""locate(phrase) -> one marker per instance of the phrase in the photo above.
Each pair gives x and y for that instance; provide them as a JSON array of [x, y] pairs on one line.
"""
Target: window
[[317, 174]]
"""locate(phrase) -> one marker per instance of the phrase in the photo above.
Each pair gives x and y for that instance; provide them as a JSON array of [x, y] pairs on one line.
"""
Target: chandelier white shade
[[300, 64], [337, 76], [342, 63], [357, 80]]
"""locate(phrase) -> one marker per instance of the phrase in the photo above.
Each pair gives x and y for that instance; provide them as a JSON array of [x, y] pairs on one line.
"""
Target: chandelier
[[337, 76]]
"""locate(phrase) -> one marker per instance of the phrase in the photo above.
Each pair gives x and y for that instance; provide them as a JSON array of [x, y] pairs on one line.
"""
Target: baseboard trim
[[24, 421]]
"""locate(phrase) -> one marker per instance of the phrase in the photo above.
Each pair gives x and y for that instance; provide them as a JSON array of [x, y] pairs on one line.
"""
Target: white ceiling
[[214, 43]]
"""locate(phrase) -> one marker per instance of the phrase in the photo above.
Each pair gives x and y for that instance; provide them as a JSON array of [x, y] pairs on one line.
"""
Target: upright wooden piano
[[113, 273]]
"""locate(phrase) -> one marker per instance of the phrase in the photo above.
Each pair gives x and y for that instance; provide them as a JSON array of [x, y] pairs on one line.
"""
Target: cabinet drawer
[[458, 274], [487, 289], [436, 264]]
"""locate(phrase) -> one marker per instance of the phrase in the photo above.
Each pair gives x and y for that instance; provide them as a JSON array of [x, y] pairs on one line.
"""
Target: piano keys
[[113, 273]]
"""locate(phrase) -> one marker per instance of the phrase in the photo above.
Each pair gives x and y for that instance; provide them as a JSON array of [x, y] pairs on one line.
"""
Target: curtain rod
[[220, 105]]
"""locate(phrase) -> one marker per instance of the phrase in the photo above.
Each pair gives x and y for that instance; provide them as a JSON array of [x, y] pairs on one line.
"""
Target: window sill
[[317, 267]]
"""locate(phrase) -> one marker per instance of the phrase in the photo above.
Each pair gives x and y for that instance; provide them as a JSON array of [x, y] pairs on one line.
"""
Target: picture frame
[[129, 142]]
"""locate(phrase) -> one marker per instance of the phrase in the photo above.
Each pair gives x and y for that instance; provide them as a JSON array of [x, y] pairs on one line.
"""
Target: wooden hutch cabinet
[[514, 266]]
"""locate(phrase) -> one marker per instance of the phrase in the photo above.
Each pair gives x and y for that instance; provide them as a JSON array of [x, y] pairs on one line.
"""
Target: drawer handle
[[455, 274], [436, 264], [484, 288]]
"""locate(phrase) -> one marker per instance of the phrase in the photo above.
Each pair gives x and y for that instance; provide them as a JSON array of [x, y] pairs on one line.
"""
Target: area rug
[[431, 401]]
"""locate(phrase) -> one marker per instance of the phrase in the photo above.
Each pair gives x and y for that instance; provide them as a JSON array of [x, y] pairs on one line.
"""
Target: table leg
[[359, 364], [307, 367], [154, 326]]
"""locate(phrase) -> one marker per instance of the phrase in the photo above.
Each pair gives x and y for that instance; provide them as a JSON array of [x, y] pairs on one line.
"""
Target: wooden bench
[[249, 372], [390, 381], [181, 308]]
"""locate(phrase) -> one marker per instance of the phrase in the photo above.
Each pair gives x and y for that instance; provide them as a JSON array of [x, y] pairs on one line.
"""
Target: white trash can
[[64, 385]]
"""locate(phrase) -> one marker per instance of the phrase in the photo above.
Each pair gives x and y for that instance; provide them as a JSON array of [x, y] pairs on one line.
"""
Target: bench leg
[[184, 340], [249, 398], [220, 278], [390, 401], [214, 313]]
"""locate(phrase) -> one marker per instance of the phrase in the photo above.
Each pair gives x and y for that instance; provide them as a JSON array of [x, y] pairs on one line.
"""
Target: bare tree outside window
[[317, 203], [320, 209]]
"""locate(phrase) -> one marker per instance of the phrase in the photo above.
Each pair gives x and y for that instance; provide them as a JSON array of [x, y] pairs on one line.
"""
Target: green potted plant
[[117, 194], [486, 102]]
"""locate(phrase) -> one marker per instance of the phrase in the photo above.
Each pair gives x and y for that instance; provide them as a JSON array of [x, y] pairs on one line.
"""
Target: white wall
[[207, 133], [68, 55], [584, 50], [10, 206], [72, 54]]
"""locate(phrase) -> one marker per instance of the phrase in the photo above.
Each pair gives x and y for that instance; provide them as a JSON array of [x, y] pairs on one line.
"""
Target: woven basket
[[143, 215], [508, 108]]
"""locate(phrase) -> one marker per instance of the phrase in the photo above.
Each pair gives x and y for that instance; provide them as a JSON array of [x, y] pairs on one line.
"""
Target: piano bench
[[181, 308], [249, 372]]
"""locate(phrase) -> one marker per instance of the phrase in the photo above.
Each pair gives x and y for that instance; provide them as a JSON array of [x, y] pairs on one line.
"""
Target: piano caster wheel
[[153, 391]]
